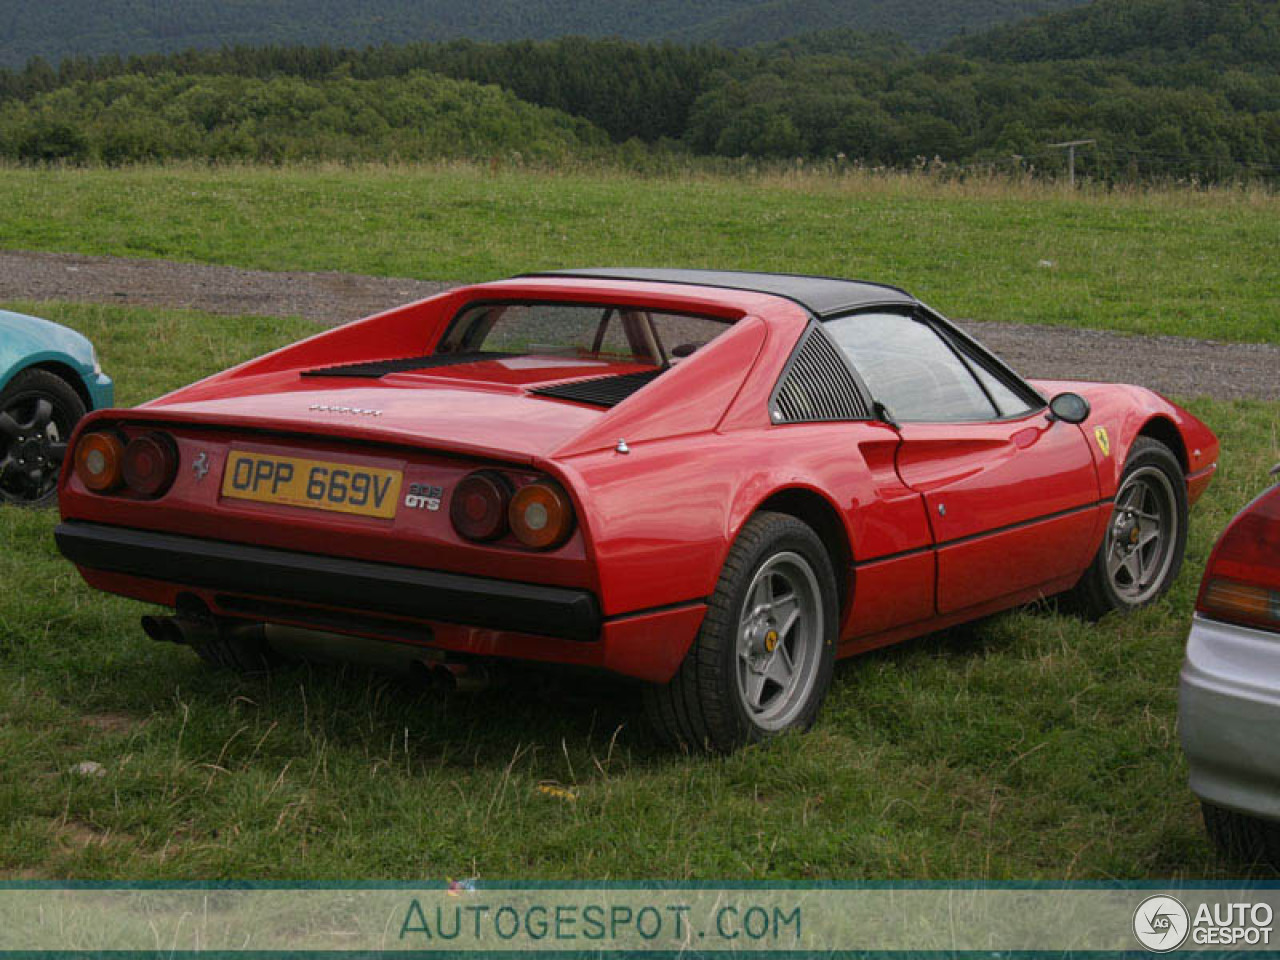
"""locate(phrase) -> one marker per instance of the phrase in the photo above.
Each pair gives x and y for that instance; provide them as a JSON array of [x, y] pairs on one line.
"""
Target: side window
[[1008, 402], [910, 369]]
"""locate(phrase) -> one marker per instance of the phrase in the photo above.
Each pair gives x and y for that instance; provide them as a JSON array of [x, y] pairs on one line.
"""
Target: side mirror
[[1069, 408]]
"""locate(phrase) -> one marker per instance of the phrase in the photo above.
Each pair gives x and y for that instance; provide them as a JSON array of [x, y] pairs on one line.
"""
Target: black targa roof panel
[[822, 296]]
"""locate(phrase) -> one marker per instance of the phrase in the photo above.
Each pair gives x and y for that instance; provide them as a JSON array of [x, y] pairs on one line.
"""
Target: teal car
[[49, 379]]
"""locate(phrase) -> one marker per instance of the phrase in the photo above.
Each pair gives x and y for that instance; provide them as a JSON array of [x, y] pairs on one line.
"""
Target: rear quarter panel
[[663, 517]]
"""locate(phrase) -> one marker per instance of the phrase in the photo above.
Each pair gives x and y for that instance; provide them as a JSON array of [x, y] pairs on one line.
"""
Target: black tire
[[1240, 837], [38, 411], [704, 707], [1153, 473]]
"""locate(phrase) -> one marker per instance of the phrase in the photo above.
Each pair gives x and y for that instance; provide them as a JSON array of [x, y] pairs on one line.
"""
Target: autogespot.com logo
[[1160, 923]]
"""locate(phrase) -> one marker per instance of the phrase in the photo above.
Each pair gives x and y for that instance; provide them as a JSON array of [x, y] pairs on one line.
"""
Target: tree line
[[132, 118], [1197, 97]]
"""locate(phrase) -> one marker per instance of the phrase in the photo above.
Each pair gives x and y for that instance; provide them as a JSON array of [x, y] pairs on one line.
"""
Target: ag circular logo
[[1160, 923]]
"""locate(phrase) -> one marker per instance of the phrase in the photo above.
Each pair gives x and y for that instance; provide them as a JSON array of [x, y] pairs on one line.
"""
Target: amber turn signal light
[[99, 461], [541, 515], [1242, 602], [150, 464], [479, 505], [1242, 582]]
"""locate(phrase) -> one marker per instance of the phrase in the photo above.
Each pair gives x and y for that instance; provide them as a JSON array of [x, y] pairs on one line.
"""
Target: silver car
[[1229, 696]]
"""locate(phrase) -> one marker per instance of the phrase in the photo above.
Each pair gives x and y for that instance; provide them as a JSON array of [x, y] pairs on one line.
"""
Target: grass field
[[1172, 261], [1029, 746]]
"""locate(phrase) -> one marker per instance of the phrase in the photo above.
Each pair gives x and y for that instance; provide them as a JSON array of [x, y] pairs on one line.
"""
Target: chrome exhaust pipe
[[463, 677], [180, 630], [163, 629], [450, 677]]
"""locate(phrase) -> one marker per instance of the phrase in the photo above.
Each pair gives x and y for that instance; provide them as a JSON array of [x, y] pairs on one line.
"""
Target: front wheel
[[1146, 536], [763, 660]]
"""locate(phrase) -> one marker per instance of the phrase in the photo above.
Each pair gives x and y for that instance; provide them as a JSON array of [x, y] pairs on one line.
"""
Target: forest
[[1165, 88]]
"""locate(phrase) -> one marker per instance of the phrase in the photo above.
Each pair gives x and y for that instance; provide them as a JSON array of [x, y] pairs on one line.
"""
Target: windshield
[[598, 333]]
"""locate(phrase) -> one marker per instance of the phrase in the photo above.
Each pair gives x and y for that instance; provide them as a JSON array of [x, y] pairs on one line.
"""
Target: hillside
[[1233, 34], [60, 28], [419, 115], [1186, 89]]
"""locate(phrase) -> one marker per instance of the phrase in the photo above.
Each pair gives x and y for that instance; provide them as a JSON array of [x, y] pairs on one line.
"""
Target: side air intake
[[817, 385]]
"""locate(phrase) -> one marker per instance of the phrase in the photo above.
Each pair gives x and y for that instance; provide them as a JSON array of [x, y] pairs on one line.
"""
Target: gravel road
[[1177, 366]]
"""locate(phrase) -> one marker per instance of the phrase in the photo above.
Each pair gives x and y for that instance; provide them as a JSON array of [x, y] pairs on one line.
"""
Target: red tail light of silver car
[[1242, 582]]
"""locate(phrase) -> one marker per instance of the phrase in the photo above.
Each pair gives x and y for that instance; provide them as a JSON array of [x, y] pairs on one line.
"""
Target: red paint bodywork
[[939, 523]]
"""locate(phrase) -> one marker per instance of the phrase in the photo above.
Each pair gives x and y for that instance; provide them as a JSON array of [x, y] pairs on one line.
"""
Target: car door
[[1012, 495]]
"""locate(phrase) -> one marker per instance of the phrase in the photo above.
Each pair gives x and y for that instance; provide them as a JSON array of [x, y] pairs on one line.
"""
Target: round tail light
[[150, 464], [98, 461], [479, 506], [541, 515]]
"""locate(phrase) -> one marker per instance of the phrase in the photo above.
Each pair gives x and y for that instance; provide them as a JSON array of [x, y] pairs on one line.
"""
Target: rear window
[[622, 334]]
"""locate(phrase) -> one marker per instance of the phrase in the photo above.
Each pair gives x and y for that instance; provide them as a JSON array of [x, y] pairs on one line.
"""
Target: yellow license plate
[[317, 484]]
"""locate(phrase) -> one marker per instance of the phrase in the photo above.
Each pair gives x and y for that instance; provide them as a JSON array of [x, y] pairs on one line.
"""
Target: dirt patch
[[327, 298], [1176, 366]]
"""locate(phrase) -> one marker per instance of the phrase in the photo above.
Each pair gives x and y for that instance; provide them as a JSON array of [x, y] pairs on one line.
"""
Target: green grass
[[1160, 261], [1031, 745]]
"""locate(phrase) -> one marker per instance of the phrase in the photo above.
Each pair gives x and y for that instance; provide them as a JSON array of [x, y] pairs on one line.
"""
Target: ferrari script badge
[[1104, 442], [357, 411]]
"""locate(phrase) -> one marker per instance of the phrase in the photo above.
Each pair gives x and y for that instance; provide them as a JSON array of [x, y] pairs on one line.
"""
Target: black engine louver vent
[[817, 386], [374, 369], [600, 391]]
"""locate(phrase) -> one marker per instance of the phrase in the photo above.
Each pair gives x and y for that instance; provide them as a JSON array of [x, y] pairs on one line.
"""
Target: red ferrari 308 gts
[[716, 483]]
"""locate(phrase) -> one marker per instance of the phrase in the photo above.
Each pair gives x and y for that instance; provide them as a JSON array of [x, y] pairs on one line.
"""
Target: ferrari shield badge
[[1104, 441]]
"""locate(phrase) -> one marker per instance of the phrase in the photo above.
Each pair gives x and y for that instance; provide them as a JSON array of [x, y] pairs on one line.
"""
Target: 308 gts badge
[[423, 497]]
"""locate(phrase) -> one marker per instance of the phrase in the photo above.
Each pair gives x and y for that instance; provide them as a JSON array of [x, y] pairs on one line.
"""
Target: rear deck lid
[[501, 422]]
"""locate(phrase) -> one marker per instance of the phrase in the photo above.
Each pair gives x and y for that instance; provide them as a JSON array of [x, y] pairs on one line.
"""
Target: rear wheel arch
[[820, 515], [763, 658]]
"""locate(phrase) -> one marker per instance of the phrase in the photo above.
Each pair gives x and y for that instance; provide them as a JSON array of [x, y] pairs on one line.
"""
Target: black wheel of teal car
[[38, 411], [763, 660], [1146, 535]]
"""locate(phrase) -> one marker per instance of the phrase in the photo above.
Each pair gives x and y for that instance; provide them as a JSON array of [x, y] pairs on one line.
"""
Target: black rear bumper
[[357, 585]]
